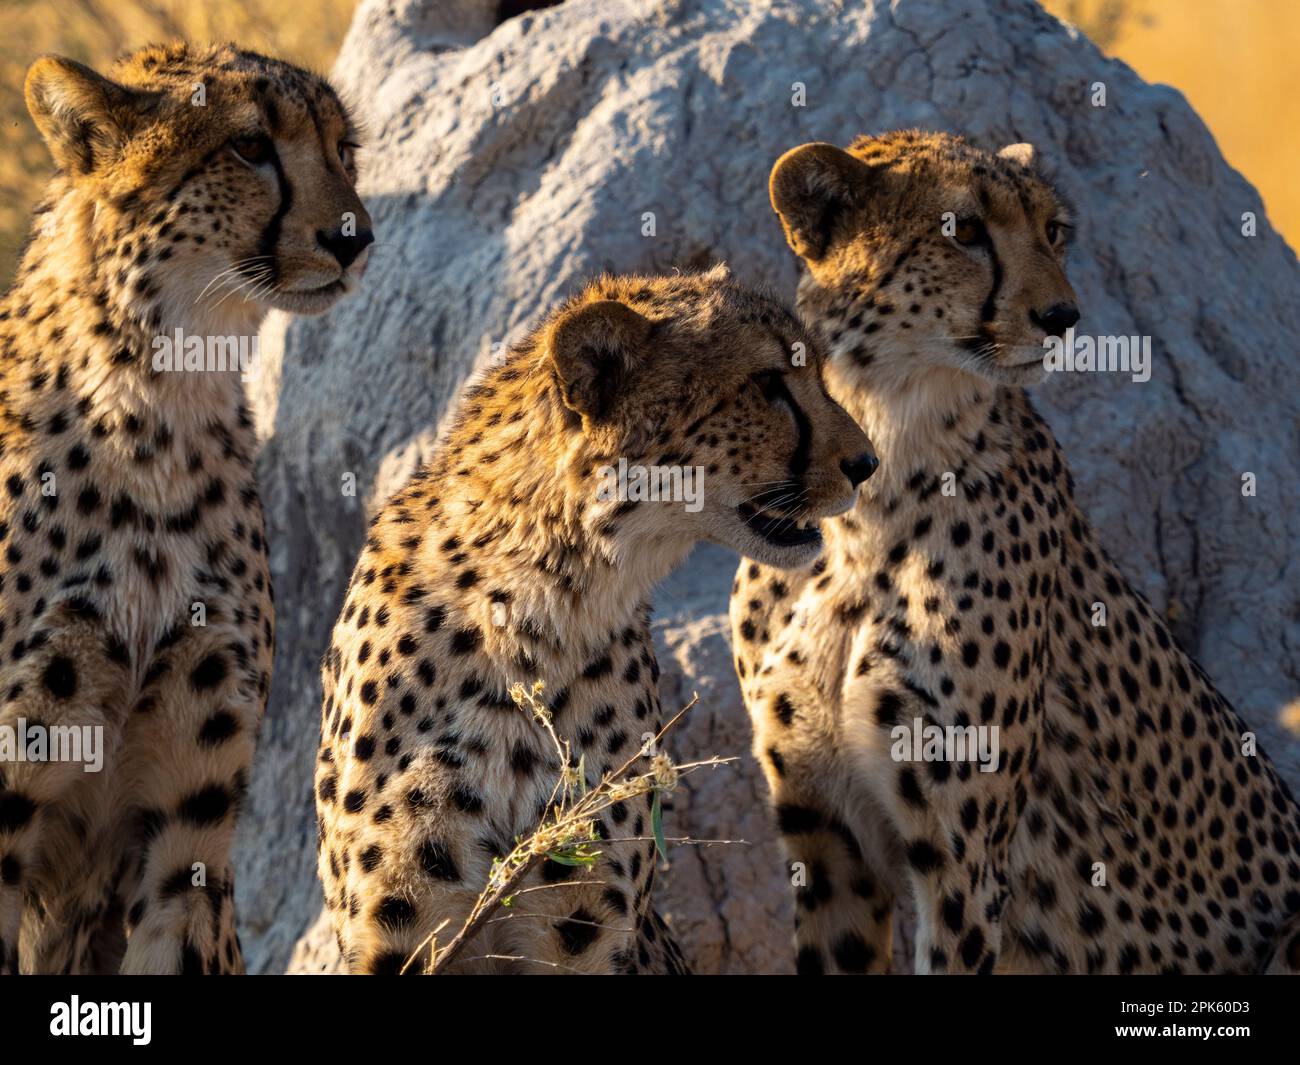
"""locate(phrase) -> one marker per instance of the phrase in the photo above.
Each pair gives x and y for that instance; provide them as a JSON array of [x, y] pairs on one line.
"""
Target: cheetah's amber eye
[[1057, 232], [970, 231], [253, 150]]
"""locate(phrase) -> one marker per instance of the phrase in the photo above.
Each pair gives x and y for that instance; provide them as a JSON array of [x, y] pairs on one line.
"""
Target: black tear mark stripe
[[989, 310], [271, 234], [802, 457]]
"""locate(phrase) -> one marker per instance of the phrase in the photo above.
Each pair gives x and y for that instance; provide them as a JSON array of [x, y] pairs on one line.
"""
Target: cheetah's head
[[228, 176], [926, 252], [700, 373]]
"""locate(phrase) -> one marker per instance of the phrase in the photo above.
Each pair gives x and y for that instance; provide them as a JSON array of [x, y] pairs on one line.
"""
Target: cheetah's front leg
[[952, 809], [844, 905], [954, 827], [958, 926], [844, 911], [66, 681], [190, 746], [79, 925]]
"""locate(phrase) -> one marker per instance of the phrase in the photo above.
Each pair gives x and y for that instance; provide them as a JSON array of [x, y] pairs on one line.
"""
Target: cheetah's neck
[[943, 424], [937, 430]]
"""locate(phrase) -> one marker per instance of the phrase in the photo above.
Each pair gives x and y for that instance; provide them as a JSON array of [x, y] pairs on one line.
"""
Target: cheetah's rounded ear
[[1024, 154], [811, 188], [593, 348], [81, 115]]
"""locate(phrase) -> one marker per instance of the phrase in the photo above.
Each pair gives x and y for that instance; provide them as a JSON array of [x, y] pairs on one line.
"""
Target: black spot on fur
[[394, 912], [60, 677], [437, 862], [209, 673], [218, 728], [206, 806], [577, 932]]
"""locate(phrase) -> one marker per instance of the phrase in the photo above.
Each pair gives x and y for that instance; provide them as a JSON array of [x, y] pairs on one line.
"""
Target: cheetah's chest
[[176, 545]]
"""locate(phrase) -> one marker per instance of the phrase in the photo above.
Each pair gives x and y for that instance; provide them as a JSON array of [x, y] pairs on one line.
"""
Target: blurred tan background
[[1233, 59]]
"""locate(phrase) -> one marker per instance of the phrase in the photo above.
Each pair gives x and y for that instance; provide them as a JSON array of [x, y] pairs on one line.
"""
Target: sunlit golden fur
[[1123, 826], [136, 598]]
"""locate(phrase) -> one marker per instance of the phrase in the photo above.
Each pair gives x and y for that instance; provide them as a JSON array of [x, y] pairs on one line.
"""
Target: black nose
[[1056, 319], [859, 469], [345, 248]]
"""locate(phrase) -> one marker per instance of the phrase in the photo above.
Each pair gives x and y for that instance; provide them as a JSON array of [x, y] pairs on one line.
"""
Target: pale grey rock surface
[[506, 165]]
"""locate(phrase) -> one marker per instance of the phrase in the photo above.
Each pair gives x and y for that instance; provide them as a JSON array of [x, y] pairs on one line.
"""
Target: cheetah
[[197, 187], [507, 558], [1120, 827]]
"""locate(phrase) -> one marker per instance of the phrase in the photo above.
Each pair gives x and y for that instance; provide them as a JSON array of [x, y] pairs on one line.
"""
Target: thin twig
[[569, 833]]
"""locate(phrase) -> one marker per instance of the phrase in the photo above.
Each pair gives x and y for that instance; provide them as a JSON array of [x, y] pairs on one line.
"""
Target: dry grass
[[568, 835], [95, 32]]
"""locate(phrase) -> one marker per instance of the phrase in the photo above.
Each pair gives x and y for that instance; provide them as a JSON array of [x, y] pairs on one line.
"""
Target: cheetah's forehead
[[950, 163], [232, 72], [700, 302]]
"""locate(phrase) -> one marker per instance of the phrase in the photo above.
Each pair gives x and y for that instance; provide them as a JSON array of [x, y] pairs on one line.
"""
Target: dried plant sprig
[[569, 834]]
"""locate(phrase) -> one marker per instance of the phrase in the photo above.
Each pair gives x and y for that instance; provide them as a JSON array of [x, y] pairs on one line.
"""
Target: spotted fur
[[128, 507], [501, 563], [1119, 759]]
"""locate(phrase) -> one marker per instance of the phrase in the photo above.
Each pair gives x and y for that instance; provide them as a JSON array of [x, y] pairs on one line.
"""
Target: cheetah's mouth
[[311, 300], [779, 530]]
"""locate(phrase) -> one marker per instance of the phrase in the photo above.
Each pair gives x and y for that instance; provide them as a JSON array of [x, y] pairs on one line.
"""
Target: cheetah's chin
[[310, 301], [1020, 374]]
